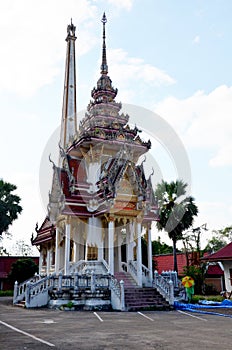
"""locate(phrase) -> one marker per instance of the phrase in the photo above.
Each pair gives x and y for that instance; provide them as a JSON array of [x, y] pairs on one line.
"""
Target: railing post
[[15, 292], [76, 282], [171, 292], [27, 294], [93, 287], [60, 282], [155, 277], [122, 295]]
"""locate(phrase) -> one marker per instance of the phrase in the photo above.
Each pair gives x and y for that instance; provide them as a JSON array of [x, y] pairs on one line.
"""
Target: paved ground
[[22, 329]]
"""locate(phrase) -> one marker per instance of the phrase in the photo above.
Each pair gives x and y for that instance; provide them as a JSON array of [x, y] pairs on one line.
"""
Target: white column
[[76, 247], [149, 252], [139, 254], [119, 243], [100, 253], [111, 245], [41, 261], [130, 243], [48, 261], [67, 249], [57, 253]]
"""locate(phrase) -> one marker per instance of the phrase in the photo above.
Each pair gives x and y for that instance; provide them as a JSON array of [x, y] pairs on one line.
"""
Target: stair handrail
[[119, 294], [146, 276], [104, 263], [83, 264], [77, 266], [124, 266], [34, 290], [165, 287], [132, 269], [20, 288], [145, 270]]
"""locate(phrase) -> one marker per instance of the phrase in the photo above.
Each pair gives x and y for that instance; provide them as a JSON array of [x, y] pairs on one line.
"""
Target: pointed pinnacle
[[104, 19]]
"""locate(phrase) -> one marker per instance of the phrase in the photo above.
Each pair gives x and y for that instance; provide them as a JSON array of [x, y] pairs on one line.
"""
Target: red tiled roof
[[165, 262], [214, 270], [224, 253]]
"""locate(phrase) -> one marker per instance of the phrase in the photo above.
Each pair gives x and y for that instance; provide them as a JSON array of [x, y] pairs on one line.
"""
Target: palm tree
[[176, 211], [9, 205]]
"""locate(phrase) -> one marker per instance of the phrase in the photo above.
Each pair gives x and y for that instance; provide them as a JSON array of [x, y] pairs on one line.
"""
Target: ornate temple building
[[100, 203]]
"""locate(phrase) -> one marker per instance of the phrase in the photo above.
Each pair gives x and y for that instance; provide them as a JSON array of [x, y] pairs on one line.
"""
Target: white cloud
[[122, 4], [31, 41], [196, 40], [126, 71], [215, 214], [223, 156], [203, 121]]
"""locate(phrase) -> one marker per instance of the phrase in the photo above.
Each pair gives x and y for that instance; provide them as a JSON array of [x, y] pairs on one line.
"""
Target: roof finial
[[104, 67], [71, 29]]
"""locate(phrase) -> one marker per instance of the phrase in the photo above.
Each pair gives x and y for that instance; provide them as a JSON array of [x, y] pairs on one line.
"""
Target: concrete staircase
[[129, 281], [21, 303], [137, 298]]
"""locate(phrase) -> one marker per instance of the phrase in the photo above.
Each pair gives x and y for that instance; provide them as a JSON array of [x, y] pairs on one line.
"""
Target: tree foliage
[[219, 239], [22, 270], [176, 211], [159, 247], [9, 205]]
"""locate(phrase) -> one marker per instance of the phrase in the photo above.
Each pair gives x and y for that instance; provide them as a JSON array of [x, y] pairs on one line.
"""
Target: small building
[[214, 275], [5, 267], [224, 256]]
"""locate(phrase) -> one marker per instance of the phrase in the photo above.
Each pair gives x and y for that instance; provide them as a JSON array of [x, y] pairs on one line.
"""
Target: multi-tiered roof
[[98, 172]]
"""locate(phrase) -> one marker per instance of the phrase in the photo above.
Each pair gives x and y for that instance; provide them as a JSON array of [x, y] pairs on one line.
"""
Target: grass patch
[[6, 293], [217, 298]]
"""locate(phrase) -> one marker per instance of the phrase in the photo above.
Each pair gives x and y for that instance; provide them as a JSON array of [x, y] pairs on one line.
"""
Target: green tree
[[176, 211], [219, 239], [192, 243], [9, 205], [22, 270], [159, 247]]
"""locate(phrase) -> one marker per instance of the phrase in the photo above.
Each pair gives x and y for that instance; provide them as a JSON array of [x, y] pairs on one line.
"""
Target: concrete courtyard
[[22, 329]]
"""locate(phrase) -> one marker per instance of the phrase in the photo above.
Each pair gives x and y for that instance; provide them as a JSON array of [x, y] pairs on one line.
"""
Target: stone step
[[160, 307], [126, 277], [144, 298], [21, 303]]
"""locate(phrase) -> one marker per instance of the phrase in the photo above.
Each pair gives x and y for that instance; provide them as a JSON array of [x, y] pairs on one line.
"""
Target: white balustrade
[[165, 287]]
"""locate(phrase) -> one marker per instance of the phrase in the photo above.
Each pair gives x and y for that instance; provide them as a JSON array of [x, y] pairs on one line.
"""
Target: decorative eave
[[45, 233], [114, 170], [151, 204]]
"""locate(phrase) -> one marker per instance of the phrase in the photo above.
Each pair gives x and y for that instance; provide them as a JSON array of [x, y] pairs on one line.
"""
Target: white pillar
[[119, 243], [67, 249], [48, 261], [57, 253], [100, 253], [149, 253], [41, 261], [131, 242], [139, 254], [111, 244]]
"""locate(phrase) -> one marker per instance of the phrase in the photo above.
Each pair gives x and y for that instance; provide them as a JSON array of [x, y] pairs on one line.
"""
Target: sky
[[171, 62]]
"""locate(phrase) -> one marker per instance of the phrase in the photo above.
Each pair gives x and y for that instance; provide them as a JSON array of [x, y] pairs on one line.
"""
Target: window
[[230, 272], [92, 253]]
